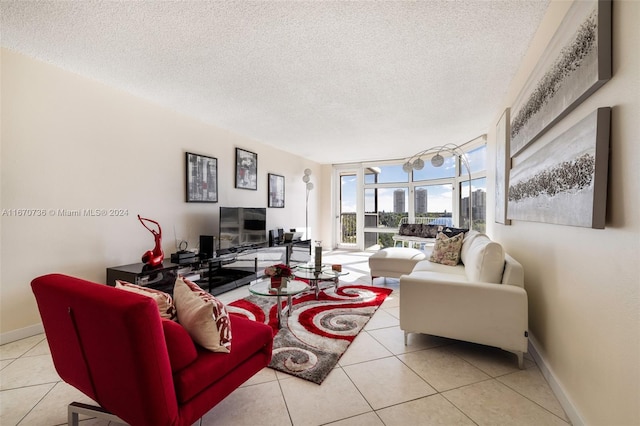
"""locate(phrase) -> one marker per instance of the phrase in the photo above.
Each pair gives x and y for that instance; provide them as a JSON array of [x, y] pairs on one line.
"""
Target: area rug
[[319, 331]]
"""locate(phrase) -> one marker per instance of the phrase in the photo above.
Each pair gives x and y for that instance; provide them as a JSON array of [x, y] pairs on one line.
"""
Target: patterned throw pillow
[[203, 316], [164, 300], [447, 250]]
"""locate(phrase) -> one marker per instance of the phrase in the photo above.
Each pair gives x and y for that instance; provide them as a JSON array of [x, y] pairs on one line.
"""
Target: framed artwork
[[503, 165], [575, 64], [565, 181], [276, 191], [201, 178], [246, 169]]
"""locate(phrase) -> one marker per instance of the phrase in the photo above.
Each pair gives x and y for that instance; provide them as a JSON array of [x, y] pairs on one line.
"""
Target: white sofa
[[481, 300]]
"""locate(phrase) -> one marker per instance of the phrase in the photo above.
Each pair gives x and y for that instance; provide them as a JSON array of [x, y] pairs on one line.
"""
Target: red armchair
[[113, 346]]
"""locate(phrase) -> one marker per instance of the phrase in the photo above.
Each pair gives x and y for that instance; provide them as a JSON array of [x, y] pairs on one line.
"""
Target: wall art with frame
[[503, 165], [276, 191], [565, 181], [201, 178], [575, 64], [246, 169]]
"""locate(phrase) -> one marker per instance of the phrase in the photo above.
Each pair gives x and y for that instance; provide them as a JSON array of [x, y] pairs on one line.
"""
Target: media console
[[217, 274]]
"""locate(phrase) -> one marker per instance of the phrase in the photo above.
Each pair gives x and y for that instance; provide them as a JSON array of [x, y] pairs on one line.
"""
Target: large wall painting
[[575, 64], [503, 165], [565, 181]]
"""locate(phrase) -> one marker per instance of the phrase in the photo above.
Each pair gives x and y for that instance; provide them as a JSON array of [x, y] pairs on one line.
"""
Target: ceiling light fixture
[[415, 162]]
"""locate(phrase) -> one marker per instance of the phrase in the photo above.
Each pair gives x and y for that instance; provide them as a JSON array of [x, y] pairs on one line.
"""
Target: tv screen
[[242, 226]]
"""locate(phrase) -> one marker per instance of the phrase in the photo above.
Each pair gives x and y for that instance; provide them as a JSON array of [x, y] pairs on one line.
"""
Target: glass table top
[[262, 287], [307, 271]]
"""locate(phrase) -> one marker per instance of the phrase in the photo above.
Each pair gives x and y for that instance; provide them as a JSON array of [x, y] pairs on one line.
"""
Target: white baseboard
[[22, 333], [535, 349]]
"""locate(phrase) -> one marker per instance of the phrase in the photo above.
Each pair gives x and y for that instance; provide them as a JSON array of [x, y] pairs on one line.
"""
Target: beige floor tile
[[367, 419], [392, 338], [392, 301], [393, 311], [16, 403], [381, 319], [41, 348], [52, 409], [20, 347], [337, 398], [532, 384], [263, 376], [493, 361], [442, 369], [387, 381], [5, 362], [260, 404], [363, 348], [28, 371], [432, 410], [491, 402]]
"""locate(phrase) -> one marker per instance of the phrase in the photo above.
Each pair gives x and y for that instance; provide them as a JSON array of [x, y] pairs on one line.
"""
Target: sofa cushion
[[428, 266], [466, 244], [182, 350], [203, 316], [484, 260], [447, 250], [166, 307], [251, 338]]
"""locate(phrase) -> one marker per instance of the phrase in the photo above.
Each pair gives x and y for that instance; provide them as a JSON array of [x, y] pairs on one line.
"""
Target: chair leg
[[406, 337], [77, 408]]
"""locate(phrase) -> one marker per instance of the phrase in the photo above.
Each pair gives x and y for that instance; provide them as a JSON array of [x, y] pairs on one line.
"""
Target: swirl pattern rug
[[319, 331]]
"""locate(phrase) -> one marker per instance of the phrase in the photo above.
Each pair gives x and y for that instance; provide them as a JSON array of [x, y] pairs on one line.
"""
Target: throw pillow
[[451, 232], [430, 231], [164, 300], [447, 250], [203, 316], [405, 229]]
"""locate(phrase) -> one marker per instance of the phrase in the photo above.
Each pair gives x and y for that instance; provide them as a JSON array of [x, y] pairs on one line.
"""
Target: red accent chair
[[113, 346]]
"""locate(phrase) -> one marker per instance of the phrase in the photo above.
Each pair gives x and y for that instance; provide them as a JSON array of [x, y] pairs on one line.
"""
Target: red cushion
[[182, 350], [249, 337]]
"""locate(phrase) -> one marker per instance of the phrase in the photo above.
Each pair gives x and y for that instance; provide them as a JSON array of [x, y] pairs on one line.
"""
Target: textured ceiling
[[331, 81]]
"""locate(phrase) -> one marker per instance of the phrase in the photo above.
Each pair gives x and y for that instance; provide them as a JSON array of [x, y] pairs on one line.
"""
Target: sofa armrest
[[489, 314]]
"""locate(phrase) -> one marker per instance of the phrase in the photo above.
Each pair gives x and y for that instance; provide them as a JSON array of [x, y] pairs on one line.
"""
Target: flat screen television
[[242, 227]]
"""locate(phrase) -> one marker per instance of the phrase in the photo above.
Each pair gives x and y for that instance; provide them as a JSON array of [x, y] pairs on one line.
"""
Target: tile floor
[[378, 381]]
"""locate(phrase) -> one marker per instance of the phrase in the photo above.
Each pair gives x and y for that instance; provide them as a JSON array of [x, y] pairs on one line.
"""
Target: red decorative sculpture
[[156, 256]]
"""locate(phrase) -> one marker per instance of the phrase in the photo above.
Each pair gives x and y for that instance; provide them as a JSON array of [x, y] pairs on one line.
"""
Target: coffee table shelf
[[262, 287]]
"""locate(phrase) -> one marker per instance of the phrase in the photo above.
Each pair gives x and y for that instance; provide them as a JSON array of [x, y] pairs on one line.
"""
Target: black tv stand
[[230, 269]]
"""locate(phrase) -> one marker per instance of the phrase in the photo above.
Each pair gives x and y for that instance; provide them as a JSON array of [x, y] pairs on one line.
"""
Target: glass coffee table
[[307, 272], [262, 287]]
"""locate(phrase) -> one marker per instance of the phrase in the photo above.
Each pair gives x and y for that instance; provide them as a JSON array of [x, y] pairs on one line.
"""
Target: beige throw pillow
[[164, 300], [203, 316], [446, 251]]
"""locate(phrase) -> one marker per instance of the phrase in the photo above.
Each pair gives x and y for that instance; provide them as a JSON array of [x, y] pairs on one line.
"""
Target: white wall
[[72, 143], [583, 284]]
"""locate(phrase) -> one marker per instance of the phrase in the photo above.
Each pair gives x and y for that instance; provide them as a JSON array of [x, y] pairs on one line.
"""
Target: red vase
[[276, 282]]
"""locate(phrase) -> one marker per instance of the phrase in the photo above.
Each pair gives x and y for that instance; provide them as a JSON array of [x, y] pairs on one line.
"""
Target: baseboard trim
[[22, 333], [536, 351]]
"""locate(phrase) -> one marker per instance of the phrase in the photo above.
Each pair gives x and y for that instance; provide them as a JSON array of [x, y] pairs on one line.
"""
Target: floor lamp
[[416, 162], [309, 186]]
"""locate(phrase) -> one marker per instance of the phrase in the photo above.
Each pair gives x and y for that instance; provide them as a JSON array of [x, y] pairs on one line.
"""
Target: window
[[439, 193]]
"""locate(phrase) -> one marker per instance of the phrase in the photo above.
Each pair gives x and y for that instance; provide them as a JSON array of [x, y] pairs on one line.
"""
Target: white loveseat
[[481, 300]]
